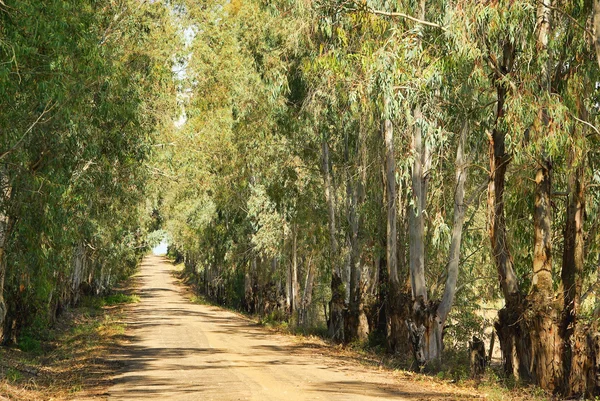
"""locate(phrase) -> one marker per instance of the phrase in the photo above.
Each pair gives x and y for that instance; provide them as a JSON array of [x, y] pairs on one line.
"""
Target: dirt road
[[184, 351]]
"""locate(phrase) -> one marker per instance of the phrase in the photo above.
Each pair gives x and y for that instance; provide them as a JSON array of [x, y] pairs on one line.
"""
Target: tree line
[[386, 168], [85, 87]]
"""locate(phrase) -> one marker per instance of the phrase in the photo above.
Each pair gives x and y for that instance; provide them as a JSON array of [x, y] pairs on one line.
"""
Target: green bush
[[28, 343]]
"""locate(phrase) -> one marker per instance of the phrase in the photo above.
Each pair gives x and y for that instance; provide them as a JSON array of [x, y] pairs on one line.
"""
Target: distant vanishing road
[[183, 351]]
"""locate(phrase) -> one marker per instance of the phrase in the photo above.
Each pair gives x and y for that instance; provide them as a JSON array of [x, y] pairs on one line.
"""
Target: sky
[[160, 249]]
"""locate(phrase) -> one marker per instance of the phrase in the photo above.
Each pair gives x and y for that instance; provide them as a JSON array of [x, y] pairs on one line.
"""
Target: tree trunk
[[423, 326], [459, 218], [574, 355], [6, 224], [543, 317], [357, 327], [513, 342], [393, 293], [294, 273], [596, 22], [390, 182], [338, 291], [416, 216], [427, 325], [79, 270], [306, 294]]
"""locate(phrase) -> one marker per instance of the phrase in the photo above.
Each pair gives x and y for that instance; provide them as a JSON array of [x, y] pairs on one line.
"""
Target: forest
[[408, 174]]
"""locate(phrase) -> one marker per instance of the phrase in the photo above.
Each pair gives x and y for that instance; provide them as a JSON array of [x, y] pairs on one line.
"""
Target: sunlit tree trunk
[[427, 323], [421, 317], [460, 207]]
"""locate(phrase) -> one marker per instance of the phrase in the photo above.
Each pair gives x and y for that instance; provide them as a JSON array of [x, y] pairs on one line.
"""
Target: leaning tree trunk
[[338, 291], [443, 309], [427, 326]]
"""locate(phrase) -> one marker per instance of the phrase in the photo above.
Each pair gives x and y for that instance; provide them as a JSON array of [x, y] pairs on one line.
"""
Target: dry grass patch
[[74, 362]]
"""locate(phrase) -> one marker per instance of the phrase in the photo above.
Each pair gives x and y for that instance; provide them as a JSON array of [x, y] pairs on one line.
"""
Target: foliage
[[85, 89]]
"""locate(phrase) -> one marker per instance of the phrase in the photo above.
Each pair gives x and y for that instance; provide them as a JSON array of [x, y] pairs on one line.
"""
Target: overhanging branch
[[405, 16]]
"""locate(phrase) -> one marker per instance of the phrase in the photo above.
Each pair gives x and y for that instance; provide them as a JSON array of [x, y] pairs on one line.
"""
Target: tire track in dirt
[[179, 351]]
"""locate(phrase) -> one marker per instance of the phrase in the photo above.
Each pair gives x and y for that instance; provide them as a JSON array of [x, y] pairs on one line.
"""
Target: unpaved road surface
[[184, 351]]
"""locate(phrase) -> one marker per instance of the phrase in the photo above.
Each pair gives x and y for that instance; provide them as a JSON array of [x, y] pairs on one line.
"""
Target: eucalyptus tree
[[239, 180], [84, 88], [535, 52]]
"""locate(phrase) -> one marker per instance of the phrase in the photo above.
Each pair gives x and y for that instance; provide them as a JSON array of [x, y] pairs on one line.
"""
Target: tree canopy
[[387, 171]]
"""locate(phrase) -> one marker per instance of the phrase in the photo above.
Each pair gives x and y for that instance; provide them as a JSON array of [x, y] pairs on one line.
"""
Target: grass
[[69, 361]]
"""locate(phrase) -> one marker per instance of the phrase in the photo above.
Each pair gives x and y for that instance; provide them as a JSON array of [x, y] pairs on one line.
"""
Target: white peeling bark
[[416, 217], [459, 218]]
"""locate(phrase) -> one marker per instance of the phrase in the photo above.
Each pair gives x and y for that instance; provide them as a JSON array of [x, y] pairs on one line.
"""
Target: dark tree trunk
[[306, 295], [514, 340], [396, 301], [574, 355], [337, 305], [6, 226]]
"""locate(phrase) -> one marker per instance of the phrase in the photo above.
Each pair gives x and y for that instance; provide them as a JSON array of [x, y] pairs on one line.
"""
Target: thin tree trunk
[[596, 23], [393, 293], [79, 270], [306, 294], [459, 218], [338, 291], [390, 180], [571, 275], [416, 216], [6, 224], [294, 278]]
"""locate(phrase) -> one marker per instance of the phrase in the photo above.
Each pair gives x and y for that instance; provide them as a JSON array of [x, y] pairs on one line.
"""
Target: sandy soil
[[184, 351]]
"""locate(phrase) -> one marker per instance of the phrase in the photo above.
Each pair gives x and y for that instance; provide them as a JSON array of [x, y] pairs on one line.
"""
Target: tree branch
[[405, 16], [570, 17], [16, 145]]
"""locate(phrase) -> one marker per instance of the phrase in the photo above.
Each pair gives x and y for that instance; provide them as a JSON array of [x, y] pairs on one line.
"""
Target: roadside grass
[[71, 360]]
